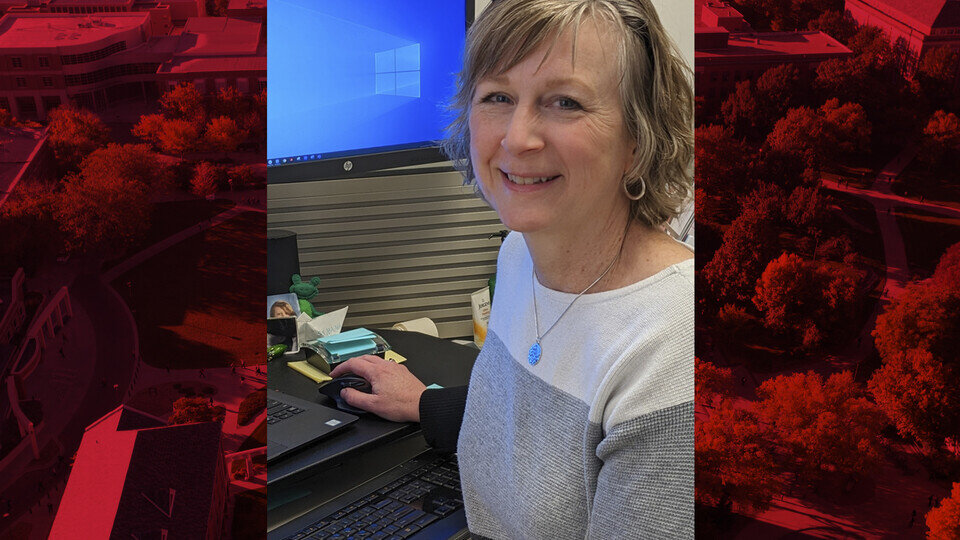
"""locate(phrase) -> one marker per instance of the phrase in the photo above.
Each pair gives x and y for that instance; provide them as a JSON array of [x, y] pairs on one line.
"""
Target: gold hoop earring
[[643, 191]]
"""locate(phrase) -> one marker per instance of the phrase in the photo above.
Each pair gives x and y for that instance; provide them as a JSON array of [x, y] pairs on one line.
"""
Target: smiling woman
[[574, 119]]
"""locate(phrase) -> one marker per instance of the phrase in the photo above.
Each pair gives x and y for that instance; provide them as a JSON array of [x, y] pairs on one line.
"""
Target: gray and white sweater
[[596, 440]]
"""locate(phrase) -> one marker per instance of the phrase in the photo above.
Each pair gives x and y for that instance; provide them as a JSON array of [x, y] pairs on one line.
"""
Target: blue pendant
[[534, 355]]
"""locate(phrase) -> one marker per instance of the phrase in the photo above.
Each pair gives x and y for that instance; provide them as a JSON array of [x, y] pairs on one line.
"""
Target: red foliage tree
[[184, 102], [947, 273], [806, 300], [735, 461], [825, 425], [837, 24], [223, 134], [711, 382], [179, 136], [197, 409], [30, 230], [918, 393], [75, 133], [205, 179], [748, 244], [944, 519], [133, 162], [101, 214], [149, 128], [941, 140]]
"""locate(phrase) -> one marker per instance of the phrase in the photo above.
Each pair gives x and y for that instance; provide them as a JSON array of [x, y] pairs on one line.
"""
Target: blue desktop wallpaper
[[352, 75]]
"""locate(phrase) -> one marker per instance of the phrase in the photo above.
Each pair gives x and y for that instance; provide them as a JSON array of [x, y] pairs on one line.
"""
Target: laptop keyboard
[[278, 410], [398, 510]]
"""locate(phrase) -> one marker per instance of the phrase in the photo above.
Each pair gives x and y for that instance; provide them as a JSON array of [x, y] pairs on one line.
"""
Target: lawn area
[[172, 217], [916, 181], [926, 236], [200, 302]]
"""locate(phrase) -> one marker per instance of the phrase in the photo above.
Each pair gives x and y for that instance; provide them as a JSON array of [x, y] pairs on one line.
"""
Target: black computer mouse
[[332, 391]]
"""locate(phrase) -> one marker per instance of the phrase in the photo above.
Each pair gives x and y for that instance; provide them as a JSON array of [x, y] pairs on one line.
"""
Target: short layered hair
[[655, 90]]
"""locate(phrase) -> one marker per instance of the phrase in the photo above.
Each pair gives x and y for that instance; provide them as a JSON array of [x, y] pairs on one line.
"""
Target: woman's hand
[[395, 392]]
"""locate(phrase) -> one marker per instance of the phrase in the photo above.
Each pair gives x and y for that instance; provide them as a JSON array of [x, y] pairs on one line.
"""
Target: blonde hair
[[655, 91]]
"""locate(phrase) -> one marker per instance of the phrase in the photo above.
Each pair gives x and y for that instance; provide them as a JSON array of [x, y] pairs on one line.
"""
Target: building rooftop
[[73, 3], [760, 44], [923, 14], [214, 36], [247, 4], [26, 30], [134, 475]]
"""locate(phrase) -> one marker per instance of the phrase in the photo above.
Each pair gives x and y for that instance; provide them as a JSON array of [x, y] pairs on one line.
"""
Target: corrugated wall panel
[[393, 248]]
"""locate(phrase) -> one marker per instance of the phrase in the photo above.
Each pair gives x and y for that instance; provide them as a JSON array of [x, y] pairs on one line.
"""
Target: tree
[[205, 179], [722, 162], [752, 109], [944, 519], [837, 24], [149, 128], [130, 162], [947, 273], [937, 74], [806, 300], [183, 102], [917, 337], [30, 230], [223, 134], [821, 135], [711, 382], [735, 461], [179, 136], [941, 139], [230, 102], [804, 206], [918, 393], [923, 317], [196, 409], [826, 426], [748, 244], [101, 214], [74, 133]]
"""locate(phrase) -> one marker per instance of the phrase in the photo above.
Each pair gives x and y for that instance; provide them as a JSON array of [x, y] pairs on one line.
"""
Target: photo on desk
[[534, 155]]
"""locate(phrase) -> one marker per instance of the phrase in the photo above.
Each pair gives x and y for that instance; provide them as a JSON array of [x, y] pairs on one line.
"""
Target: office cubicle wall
[[393, 248]]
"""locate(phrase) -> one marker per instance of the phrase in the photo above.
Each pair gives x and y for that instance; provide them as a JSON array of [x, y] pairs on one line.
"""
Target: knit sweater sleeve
[[646, 477], [441, 414]]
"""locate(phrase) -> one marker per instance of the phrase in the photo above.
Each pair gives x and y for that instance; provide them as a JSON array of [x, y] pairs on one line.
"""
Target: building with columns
[[98, 60], [913, 26]]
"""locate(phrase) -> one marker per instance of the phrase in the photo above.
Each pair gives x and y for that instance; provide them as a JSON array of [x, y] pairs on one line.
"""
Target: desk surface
[[432, 360]]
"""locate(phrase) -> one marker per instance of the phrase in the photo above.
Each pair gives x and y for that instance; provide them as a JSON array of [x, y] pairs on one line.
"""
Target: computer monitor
[[360, 85]]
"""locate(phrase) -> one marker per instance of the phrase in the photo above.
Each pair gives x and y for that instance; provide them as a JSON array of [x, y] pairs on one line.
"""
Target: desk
[[365, 449]]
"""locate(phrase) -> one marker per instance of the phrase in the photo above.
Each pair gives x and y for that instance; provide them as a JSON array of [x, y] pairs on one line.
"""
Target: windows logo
[[398, 71]]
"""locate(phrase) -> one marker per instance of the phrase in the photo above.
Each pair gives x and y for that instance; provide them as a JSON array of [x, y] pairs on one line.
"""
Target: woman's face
[[548, 142]]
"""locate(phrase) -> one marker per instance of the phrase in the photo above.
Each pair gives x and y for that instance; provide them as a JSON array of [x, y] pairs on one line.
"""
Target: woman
[[575, 122]]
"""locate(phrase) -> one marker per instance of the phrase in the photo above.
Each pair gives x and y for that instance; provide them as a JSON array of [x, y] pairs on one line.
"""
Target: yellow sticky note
[[310, 371], [393, 356]]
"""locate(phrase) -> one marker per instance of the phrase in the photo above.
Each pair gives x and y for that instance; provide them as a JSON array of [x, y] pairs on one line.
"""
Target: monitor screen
[[354, 78]]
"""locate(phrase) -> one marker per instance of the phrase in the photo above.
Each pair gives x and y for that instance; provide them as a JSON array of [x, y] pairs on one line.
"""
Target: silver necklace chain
[[535, 352]]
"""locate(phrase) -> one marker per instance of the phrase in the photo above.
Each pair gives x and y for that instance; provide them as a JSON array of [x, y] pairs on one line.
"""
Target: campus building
[[136, 477], [727, 50], [913, 26], [102, 59]]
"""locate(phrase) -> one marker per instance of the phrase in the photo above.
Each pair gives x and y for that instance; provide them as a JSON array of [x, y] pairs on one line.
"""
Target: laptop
[[294, 423]]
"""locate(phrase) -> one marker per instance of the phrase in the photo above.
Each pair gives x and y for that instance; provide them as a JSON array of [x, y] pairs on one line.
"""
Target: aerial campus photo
[[828, 215], [132, 268]]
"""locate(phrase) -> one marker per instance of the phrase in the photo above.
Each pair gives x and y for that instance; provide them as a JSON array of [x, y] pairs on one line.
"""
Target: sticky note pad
[[393, 356], [310, 371]]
